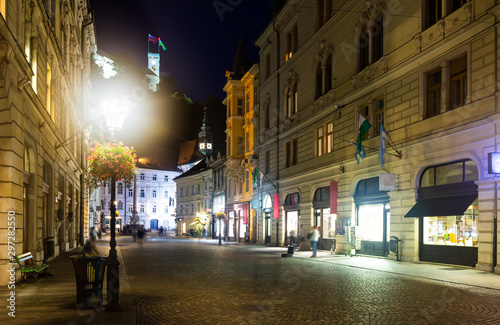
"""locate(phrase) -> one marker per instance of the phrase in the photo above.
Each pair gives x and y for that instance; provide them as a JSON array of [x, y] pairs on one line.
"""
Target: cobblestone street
[[198, 282]]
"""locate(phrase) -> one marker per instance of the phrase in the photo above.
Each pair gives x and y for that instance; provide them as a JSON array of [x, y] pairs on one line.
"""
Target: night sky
[[201, 41]]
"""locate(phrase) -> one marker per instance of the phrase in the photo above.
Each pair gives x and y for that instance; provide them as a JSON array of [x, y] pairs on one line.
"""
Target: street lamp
[[115, 113]]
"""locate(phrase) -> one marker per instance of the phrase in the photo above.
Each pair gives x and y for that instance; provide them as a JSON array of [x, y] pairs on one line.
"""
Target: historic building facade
[[45, 50], [241, 124], [424, 71]]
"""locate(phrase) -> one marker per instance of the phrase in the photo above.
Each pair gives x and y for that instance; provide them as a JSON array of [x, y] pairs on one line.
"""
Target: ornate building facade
[[45, 50], [424, 71]]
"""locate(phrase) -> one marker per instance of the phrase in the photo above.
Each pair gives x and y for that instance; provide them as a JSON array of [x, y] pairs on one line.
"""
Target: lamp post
[[115, 113]]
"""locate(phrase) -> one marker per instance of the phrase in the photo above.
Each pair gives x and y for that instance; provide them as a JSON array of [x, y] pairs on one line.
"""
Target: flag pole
[[148, 44], [374, 149], [393, 145]]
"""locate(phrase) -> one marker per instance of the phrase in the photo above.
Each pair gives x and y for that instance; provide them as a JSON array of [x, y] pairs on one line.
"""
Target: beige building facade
[[429, 76], [45, 50]]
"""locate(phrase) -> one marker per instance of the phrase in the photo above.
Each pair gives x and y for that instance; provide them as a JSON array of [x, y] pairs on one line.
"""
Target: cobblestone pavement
[[190, 282]]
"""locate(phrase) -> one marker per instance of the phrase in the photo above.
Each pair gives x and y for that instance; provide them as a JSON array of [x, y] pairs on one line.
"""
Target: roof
[[189, 153], [198, 168]]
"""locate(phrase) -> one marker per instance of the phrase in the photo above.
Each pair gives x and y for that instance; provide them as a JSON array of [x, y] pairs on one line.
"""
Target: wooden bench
[[28, 267]]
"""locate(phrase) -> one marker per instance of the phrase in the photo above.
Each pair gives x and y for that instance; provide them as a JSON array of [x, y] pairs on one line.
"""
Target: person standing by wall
[[314, 240]]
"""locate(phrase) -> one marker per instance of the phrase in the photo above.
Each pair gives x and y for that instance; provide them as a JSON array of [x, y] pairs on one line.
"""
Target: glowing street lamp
[[115, 113]]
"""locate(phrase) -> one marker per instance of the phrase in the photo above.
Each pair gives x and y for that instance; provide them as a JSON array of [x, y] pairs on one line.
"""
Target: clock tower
[[205, 137]]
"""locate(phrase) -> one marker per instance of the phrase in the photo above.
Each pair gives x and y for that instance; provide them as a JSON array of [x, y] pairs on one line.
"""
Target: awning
[[450, 206]]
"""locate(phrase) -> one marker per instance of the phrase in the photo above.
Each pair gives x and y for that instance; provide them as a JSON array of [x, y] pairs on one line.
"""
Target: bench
[[28, 267]]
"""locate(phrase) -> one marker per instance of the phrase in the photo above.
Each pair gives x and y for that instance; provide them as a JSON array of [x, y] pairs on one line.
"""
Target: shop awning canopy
[[437, 207]]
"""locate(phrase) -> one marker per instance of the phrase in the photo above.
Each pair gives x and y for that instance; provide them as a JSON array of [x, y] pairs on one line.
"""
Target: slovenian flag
[[160, 44], [152, 39], [382, 145], [364, 126]]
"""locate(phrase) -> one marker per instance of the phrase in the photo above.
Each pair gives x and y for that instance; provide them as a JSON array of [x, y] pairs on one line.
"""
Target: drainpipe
[[277, 121], [495, 225]]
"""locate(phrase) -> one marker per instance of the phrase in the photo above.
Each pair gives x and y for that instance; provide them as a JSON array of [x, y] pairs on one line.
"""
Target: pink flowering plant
[[111, 160]]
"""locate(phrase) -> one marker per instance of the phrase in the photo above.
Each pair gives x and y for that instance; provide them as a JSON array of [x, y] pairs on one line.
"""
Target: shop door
[[372, 229], [267, 229], [292, 225]]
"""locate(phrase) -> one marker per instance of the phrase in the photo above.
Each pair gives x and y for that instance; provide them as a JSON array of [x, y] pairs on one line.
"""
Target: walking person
[[314, 240]]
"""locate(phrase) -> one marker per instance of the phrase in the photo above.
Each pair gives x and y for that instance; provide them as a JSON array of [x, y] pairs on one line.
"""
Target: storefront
[[268, 211], [292, 217], [447, 208], [372, 218], [323, 219]]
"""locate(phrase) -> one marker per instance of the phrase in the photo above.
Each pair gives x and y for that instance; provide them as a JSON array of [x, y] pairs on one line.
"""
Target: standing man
[[314, 239]]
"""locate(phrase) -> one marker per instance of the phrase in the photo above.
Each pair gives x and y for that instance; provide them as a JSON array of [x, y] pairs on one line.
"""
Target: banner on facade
[[245, 214], [333, 197], [276, 205]]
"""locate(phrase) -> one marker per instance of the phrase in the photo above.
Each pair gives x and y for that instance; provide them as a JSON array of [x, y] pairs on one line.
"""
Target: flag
[[256, 177], [360, 155], [364, 126], [160, 44], [152, 39], [382, 145]]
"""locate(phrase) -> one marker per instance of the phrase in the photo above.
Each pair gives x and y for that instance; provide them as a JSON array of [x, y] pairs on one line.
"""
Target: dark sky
[[201, 41]]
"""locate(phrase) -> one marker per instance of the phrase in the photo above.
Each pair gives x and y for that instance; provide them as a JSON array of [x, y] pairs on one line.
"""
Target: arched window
[[295, 99], [319, 81], [289, 102], [363, 49], [328, 74], [378, 38]]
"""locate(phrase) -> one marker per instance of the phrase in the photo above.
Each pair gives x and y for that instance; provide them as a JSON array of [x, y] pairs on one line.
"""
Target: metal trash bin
[[89, 273], [394, 246]]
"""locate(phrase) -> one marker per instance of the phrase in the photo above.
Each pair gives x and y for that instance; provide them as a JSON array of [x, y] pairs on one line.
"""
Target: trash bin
[[89, 273]]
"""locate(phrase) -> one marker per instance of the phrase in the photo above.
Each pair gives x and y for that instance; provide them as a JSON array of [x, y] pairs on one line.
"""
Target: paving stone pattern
[[199, 282]]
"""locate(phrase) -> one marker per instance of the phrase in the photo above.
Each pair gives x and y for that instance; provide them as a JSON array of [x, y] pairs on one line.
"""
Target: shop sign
[[333, 197], [276, 205], [494, 163], [387, 182]]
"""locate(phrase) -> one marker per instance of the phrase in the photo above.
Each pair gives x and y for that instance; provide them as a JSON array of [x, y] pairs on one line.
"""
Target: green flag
[[160, 43]]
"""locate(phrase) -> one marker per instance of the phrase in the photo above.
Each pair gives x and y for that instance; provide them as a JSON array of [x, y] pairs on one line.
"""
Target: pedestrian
[[161, 231], [90, 248], [313, 236], [292, 235], [141, 234]]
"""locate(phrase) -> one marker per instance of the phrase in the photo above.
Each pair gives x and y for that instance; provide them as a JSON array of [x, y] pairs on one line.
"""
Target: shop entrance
[[292, 217], [323, 219], [267, 228], [447, 208], [372, 218]]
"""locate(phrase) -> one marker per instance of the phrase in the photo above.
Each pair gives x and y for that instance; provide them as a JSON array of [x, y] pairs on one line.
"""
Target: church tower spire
[[205, 136]]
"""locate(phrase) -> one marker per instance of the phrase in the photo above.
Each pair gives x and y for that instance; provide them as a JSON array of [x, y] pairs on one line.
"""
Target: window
[[182, 209], [458, 82], [329, 74], [49, 101], [240, 145], [321, 13], [120, 188], [267, 163], [130, 208], [192, 208], [379, 112], [142, 176], [182, 191], [319, 81], [120, 205], [192, 189], [266, 115], [240, 106], [154, 208], [228, 108], [198, 206], [320, 140], [165, 195], [142, 208], [364, 49], [378, 38], [247, 180], [291, 100], [433, 106], [365, 112], [247, 102], [291, 153], [187, 191], [454, 5], [154, 193], [268, 66], [166, 209], [165, 178], [154, 177], [291, 43], [130, 192], [433, 12], [198, 189], [142, 193], [329, 137], [247, 142]]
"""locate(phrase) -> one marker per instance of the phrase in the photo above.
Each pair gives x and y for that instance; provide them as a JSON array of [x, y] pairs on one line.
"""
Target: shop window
[[452, 173], [433, 106], [458, 82], [453, 230]]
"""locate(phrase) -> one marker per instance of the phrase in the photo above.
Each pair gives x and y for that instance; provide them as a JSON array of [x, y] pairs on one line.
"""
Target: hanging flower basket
[[220, 215], [111, 161]]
